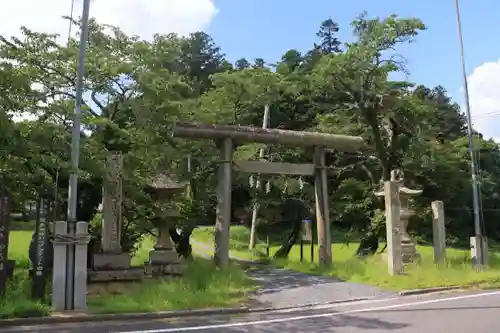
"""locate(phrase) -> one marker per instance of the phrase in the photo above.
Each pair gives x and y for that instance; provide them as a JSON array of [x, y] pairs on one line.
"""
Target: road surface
[[463, 312]]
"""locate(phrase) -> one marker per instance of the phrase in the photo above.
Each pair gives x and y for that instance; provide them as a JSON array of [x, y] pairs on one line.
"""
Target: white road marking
[[322, 315]]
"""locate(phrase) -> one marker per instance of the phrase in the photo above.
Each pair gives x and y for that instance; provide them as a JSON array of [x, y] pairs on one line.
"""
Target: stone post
[[438, 232], [479, 244], [59, 269], [82, 240], [392, 217]]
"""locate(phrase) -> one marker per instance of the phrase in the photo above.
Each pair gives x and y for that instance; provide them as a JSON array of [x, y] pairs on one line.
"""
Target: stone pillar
[[163, 241], [438, 232], [59, 269], [223, 211], [392, 217], [112, 205], [82, 240], [479, 246]]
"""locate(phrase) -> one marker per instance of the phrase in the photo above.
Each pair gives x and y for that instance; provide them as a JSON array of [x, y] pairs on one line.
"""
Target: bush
[[130, 238]]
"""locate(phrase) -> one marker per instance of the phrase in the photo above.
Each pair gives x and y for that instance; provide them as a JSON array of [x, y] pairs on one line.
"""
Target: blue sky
[[268, 28]]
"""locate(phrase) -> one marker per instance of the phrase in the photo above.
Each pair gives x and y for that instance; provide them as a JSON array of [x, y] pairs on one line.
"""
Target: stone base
[[111, 261], [409, 258], [109, 288], [131, 274], [163, 257], [409, 253], [162, 270]]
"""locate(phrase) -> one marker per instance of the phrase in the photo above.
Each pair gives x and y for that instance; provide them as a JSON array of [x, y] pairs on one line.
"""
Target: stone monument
[[163, 259], [111, 263]]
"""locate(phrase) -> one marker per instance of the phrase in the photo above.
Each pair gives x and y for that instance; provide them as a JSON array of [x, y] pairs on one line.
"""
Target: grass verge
[[202, 285], [238, 245], [17, 302], [457, 271]]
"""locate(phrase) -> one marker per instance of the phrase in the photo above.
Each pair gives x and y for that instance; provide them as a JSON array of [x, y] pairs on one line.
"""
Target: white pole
[[475, 192]]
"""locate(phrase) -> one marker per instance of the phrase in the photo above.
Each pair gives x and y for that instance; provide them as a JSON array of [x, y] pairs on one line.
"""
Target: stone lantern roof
[[402, 190], [163, 181], [408, 191]]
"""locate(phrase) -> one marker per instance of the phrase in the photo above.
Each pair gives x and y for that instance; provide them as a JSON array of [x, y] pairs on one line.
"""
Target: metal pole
[[475, 192], [251, 245], [71, 20], [75, 154]]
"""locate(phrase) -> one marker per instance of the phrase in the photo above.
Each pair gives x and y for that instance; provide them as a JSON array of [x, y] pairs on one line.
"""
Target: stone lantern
[[409, 251], [163, 259]]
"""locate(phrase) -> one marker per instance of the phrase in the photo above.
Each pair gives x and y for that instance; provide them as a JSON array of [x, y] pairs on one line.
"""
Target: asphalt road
[[463, 312]]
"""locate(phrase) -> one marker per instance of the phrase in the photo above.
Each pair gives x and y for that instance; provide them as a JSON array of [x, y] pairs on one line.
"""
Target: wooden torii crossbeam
[[226, 134], [270, 136]]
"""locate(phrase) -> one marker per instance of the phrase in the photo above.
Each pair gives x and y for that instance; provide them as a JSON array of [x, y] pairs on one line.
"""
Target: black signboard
[[4, 240], [39, 263], [307, 235]]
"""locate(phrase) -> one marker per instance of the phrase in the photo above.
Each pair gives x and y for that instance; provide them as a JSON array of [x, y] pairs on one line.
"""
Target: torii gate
[[225, 135]]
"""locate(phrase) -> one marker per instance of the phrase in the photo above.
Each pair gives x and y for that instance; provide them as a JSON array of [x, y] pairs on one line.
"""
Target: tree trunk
[[369, 244], [294, 211], [181, 241], [285, 249]]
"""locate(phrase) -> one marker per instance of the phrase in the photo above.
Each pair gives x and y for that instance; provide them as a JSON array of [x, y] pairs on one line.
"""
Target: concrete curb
[[307, 305], [65, 318], [427, 290]]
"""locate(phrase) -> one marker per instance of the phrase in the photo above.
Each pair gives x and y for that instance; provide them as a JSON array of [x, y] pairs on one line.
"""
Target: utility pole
[[478, 243], [251, 245], [75, 156]]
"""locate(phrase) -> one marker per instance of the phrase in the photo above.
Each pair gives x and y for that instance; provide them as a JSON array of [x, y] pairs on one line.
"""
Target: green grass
[[201, 285], [17, 302], [456, 271], [19, 242], [238, 244]]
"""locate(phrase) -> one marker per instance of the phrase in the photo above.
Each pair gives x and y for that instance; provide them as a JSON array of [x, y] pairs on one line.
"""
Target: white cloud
[[137, 17], [484, 91], [134, 17]]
